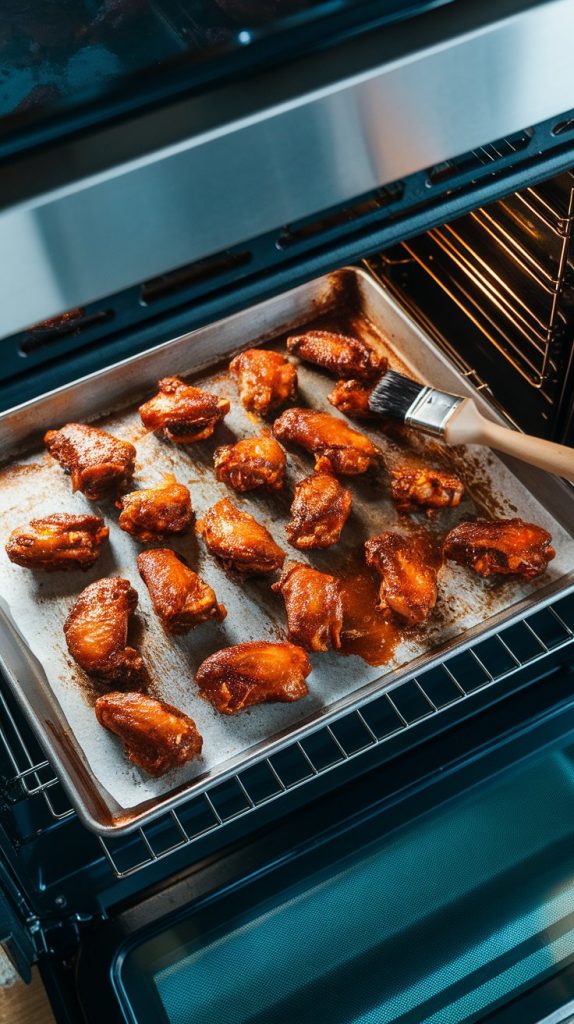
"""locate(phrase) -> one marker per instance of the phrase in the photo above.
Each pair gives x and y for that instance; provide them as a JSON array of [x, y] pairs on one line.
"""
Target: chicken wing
[[336, 446], [239, 540], [266, 379], [254, 673], [339, 354], [98, 463], [352, 398], [59, 541], [156, 736], [154, 511], [426, 488], [185, 414], [251, 463], [96, 632], [408, 581], [314, 606], [320, 509], [179, 596], [500, 547]]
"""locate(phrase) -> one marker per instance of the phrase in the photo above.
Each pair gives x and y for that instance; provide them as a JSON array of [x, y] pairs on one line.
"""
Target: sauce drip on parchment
[[366, 631]]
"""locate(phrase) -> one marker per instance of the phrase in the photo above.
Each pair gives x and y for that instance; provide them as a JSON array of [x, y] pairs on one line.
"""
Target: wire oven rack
[[507, 270], [481, 665]]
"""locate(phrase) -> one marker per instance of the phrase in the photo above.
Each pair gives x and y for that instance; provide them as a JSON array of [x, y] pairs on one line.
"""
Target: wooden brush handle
[[468, 426]]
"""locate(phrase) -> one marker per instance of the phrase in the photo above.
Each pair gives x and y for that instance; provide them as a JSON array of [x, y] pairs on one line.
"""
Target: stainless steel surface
[[92, 395], [436, 88], [431, 411]]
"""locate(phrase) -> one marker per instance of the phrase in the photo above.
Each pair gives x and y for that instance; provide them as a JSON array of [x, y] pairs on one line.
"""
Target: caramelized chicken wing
[[254, 673], [251, 463], [320, 509], [339, 354], [185, 414], [154, 511], [59, 541], [314, 606], [426, 488], [266, 379], [98, 463], [352, 398], [239, 540], [179, 596], [408, 581], [96, 632], [336, 446], [500, 547], [156, 736]]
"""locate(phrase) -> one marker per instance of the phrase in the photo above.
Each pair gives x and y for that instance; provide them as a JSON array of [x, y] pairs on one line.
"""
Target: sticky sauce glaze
[[366, 631]]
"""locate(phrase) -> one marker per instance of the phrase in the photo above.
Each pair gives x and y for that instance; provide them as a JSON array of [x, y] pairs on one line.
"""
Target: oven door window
[[441, 921]]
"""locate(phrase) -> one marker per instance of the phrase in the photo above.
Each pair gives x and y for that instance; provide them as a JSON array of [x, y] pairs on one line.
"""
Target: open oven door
[[438, 889]]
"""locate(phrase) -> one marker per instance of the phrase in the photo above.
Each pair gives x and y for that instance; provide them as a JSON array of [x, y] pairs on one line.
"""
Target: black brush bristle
[[393, 396]]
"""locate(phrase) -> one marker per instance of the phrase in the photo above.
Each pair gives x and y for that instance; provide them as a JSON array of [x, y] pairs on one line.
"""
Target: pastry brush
[[458, 421]]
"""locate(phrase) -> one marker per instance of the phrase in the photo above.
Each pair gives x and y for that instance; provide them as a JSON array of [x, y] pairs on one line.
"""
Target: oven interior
[[494, 290]]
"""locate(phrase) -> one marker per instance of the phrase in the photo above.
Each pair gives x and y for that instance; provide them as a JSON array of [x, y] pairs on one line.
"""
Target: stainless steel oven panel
[[90, 397], [240, 162]]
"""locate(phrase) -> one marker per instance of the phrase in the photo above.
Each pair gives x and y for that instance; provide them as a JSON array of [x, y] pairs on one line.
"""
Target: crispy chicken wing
[[239, 540], [339, 354], [266, 379], [500, 547], [96, 632], [251, 463], [97, 462], [154, 511], [314, 606], [408, 581], [352, 398], [179, 596], [156, 736], [254, 673], [426, 488], [59, 541], [320, 509], [185, 414], [336, 446]]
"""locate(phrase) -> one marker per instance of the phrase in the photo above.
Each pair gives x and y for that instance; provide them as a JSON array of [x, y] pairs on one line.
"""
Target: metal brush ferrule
[[431, 411]]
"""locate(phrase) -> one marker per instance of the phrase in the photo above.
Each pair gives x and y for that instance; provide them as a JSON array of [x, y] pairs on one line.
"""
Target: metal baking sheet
[[110, 794]]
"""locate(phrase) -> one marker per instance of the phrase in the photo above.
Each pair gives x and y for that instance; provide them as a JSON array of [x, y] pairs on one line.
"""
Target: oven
[[169, 170]]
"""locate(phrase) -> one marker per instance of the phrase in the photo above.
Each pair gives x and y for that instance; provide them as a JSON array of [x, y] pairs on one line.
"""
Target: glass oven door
[[438, 890]]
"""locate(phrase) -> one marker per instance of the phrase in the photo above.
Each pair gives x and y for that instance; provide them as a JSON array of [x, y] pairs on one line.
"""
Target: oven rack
[[398, 710], [506, 268]]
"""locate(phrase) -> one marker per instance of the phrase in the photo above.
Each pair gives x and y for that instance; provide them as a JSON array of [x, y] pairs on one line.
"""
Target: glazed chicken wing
[[408, 581], [320, 509], [352, 398], [500, 547], [266, 379], [179, 596], [59, 541], [96, 632], [336, 446], [239, 540], [254, 673], [185, 414], [154, 511], [98, 463], [339, 354], [426, 488], [156, 736], [314, 606], [251, 463]]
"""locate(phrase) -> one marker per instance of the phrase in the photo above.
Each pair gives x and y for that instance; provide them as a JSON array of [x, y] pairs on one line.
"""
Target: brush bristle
[[393, 396]]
